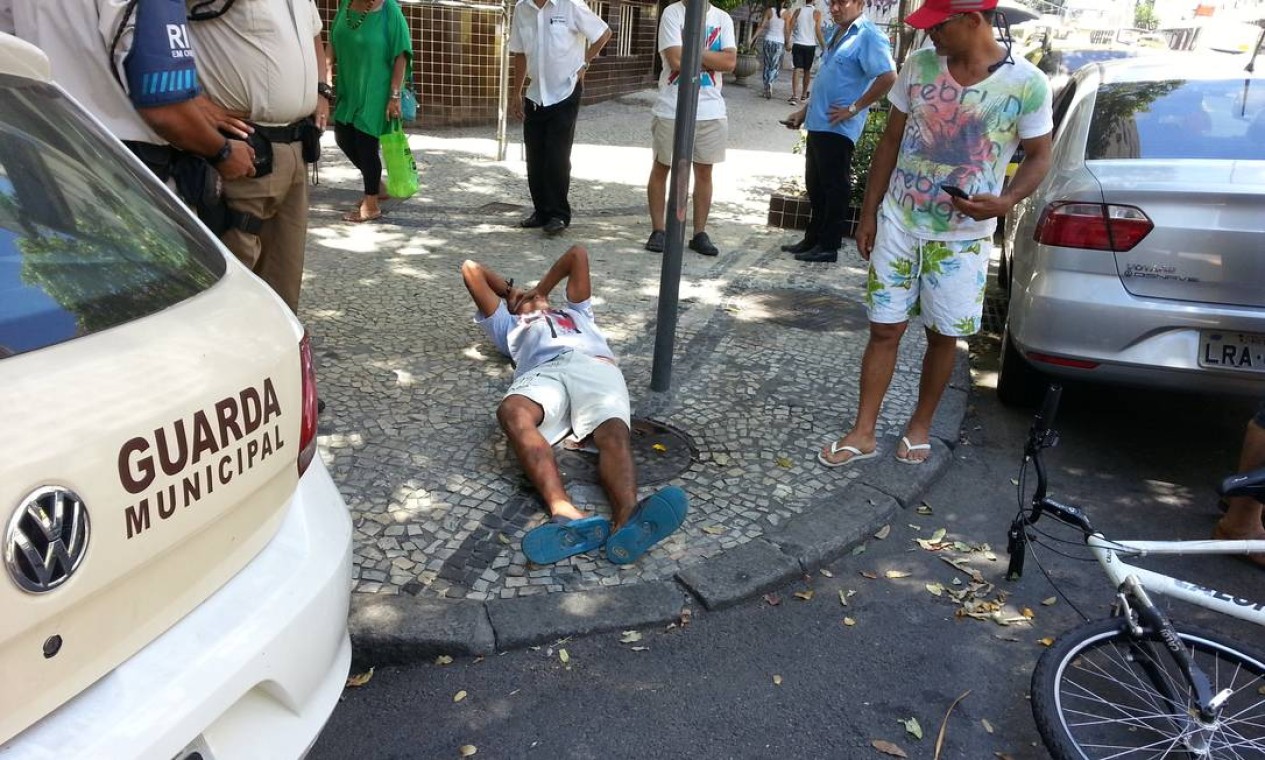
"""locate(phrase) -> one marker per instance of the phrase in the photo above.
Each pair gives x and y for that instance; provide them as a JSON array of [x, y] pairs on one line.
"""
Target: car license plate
[[1230, 350]]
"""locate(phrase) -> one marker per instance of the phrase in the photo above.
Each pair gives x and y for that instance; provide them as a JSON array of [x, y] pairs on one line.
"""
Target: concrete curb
[[402, 629]]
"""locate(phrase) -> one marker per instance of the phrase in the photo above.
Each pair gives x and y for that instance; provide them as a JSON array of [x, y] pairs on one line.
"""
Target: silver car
[[1141, 258]]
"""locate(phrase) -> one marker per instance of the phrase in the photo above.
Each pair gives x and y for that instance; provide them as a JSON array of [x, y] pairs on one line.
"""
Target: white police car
[[176, 559]]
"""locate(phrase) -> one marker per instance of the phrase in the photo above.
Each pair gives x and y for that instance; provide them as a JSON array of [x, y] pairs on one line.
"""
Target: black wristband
[[325, 91], [223, 153]]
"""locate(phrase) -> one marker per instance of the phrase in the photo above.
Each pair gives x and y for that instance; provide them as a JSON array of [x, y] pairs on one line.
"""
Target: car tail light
[[307, 427], [1061, 361], [1096, 226]]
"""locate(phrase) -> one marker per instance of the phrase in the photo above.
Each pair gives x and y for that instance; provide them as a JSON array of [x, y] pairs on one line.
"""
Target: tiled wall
[[457, 49]]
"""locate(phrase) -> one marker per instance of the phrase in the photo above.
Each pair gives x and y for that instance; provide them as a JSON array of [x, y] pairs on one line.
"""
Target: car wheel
[[1018, 384]]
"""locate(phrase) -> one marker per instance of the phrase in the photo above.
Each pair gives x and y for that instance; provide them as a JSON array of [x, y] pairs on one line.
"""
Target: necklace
[[355, 18]]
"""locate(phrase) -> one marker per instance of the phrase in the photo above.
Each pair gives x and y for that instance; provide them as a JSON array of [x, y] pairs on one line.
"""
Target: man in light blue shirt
[[857, 69]]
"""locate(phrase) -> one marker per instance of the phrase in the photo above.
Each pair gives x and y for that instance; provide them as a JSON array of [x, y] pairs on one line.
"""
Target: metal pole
[[678, 191], [503, 86]]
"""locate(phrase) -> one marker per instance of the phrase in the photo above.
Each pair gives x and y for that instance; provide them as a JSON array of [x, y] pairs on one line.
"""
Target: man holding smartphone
[[958, 113], [857, 70]]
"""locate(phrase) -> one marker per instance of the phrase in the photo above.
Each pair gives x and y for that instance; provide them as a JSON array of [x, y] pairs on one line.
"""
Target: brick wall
[[457, 52]]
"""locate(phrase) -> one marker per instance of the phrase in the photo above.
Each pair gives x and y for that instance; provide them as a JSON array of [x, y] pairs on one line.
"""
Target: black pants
[[362, 150], [548, 132], [828, 176]]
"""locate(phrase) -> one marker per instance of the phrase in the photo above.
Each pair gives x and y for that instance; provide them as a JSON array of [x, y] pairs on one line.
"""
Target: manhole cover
[[802, 309], [660, 453]]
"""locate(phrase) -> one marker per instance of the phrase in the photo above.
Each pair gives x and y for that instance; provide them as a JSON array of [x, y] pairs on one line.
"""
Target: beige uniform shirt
[[76, 36], [259, 58]]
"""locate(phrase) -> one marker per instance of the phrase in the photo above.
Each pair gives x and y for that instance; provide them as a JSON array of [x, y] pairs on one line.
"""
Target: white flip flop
[[835, 448], [909, 449]]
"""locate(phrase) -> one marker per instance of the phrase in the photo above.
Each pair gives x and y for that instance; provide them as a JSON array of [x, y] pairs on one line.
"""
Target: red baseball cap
[[934, 11]]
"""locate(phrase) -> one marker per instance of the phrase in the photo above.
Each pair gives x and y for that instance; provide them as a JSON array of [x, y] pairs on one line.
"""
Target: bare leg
[[937, 368], [519, 417], [795, 82], [657, 195], [878, 364], [808, 78], [702, 196], [1243, 518], [615, 469]]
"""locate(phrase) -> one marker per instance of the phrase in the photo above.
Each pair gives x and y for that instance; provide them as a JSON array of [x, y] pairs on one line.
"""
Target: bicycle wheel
[[1100, 693]]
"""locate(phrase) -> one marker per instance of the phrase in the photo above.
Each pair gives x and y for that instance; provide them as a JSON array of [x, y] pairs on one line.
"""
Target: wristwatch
[[223, 153], [852, 110], [325, 91]]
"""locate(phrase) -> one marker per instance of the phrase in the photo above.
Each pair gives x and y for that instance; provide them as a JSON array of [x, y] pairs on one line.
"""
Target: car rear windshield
[[1217, 119], [87, 241]]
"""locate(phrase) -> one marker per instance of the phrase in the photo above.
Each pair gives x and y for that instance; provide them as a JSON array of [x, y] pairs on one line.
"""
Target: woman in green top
[[370, 42]]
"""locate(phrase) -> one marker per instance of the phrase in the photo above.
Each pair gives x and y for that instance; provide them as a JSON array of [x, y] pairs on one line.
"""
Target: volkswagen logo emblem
[[47, 539]]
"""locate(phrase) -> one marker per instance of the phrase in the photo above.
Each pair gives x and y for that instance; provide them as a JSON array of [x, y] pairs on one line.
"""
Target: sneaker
[[768, 92], [656, 241], [792, 101], [703, 245]]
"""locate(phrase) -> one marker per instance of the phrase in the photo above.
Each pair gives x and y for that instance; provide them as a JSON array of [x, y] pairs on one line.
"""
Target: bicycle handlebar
[[1049, 408]]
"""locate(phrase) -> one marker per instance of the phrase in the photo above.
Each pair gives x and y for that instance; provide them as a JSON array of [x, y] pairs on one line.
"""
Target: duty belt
[[285, 134]]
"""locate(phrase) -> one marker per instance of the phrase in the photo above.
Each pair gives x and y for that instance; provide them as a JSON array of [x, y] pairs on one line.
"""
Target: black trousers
[[828, 176], [548, 132], [362, 150]]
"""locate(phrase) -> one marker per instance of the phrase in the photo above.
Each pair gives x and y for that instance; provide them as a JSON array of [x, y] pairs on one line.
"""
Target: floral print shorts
[[940, 280]]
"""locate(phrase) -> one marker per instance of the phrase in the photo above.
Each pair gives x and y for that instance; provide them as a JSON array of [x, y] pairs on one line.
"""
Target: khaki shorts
[[709, 140], [577, 392]]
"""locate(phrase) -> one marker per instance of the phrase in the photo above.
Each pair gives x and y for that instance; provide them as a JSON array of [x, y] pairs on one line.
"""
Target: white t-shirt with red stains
[[536, 337], [962, 136]]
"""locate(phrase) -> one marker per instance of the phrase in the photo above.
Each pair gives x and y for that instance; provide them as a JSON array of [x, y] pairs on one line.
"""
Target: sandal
[[835, 449], [911, 448], [563, 537]]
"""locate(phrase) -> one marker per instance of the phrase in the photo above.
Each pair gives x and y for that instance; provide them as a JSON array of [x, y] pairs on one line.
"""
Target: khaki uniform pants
[[280, 200]]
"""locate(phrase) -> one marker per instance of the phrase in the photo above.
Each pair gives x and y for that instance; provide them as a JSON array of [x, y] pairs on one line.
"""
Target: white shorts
[[578, 392], [709, 140], [941, 280]]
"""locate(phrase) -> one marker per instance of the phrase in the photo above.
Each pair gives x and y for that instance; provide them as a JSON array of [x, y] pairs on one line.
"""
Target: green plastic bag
[[401, 168]]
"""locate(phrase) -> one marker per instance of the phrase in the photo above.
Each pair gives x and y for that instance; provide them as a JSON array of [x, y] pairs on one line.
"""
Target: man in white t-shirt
[[552, 43], [711, 130], [566, 381], [958, 112]]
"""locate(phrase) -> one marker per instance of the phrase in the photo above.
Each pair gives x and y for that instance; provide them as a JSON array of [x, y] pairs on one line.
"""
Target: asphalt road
[[787, 677]]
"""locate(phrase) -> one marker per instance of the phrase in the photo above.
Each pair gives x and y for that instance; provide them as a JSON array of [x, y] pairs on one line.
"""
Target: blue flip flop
[[656, 518], [561, 538]]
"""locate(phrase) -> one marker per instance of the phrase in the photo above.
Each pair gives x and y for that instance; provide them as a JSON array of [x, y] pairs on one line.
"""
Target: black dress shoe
[[799, 247], [818, 254], [531, 222], [554, 226]]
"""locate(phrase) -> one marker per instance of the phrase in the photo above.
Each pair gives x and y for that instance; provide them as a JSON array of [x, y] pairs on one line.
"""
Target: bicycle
[[1136, 684]]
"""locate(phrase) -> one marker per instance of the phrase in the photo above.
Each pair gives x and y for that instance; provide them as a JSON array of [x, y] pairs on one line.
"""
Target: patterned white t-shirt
[[718, 35], [962, 136]]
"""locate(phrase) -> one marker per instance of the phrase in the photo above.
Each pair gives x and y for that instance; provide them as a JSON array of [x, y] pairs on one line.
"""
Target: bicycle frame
[[1111, 559]]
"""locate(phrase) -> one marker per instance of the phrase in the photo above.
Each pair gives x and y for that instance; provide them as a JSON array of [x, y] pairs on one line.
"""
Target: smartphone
[[956, 192]]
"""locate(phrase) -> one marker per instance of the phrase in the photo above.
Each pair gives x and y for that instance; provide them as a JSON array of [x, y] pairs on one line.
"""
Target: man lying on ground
[[566, 382]]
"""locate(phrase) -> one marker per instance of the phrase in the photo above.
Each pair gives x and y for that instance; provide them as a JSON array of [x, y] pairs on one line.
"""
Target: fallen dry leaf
[[1048, 641], [784, 463], [640, 649], [504, 539], [887, 748], [912, 727], [1028, 613], [944, 724], [659, 447], [859, 549], [773, 600], [468, 750], [564, 656], [843, 598], [936, 589], [459, 696], [987, 726], [868, 574], [360, 679], [923, 509], [805, 595], [938, 536], [897, 574], [629, 637], [777, 680], [715, 530], [849, 622], [443, 659], [1050, 601], [826, 573], [883, 532]]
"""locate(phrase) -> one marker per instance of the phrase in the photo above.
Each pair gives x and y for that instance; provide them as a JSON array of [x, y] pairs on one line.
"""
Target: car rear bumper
[[252, 672], [1133, 341]]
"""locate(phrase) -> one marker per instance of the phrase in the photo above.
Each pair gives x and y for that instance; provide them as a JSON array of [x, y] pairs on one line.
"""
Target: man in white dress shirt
[[552, 43]]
